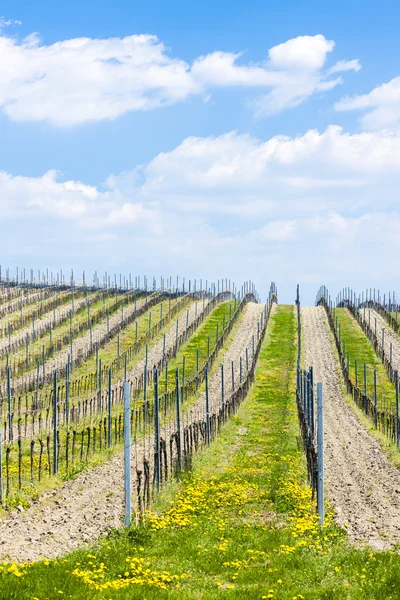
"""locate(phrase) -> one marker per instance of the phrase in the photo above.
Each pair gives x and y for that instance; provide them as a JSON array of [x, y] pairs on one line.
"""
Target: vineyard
[[251, 448]]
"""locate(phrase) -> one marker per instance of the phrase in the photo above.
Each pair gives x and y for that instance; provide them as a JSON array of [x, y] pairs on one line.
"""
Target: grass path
[[241, 525], [359, 348]]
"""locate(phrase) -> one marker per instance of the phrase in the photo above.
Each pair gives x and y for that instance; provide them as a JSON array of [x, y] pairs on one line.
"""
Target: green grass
[[240, 526], [359, 348]]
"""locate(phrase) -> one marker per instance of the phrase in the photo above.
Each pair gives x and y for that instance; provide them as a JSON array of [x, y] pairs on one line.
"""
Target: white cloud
[[381, 105], [305, 52], [345, 65], [84, 79], [7, 22], [286, 208]]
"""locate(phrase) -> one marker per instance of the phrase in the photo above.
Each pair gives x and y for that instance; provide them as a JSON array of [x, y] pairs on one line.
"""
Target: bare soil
[[362, 486], [389, 336], [89, 506]]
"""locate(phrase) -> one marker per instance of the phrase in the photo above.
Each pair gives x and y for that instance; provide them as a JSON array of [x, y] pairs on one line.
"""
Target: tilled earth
[[87, 507], [361, 484]]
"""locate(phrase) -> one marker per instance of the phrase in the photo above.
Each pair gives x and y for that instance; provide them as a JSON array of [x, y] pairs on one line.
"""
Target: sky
[[252, 140]]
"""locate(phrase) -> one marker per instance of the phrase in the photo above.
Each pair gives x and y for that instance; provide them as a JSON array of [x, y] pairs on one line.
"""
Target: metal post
[[67, 394], [365, 379], [10, 428], [197, 368], [178, 419], [109, 409], [127, 453], [55, 466], [37, 386], [157, 448], [207, 410], [1, 466], [356, 371], [397, 410], [222, 388], [233, 386], [320, 442], [183, 379], [375, 401]]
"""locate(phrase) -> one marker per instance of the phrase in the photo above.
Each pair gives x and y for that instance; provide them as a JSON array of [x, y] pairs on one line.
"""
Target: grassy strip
[[386, 444], [359, 348], [240, 526]]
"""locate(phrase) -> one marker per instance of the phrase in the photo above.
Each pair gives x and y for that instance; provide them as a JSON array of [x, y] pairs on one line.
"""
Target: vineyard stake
[[320, 443], [67, 394], [233, 386], [157, 448], [10, 431], [127, 453], [397, 411], [178, 419], [55, 467], [1, 466], [109, 409], [222, 387], [183, 379], [207, 410], [365, 379], [375, 401]]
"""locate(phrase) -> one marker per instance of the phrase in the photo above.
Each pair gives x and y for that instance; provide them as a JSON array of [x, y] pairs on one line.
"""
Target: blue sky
[[226, 196]]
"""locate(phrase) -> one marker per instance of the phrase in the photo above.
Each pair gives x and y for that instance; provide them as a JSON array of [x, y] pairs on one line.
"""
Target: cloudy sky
[[243, 140]]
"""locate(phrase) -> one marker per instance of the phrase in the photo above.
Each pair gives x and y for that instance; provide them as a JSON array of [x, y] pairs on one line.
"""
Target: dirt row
[[42, 323], [81, 344], [389, 336], [87, 507], [362, 486]]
